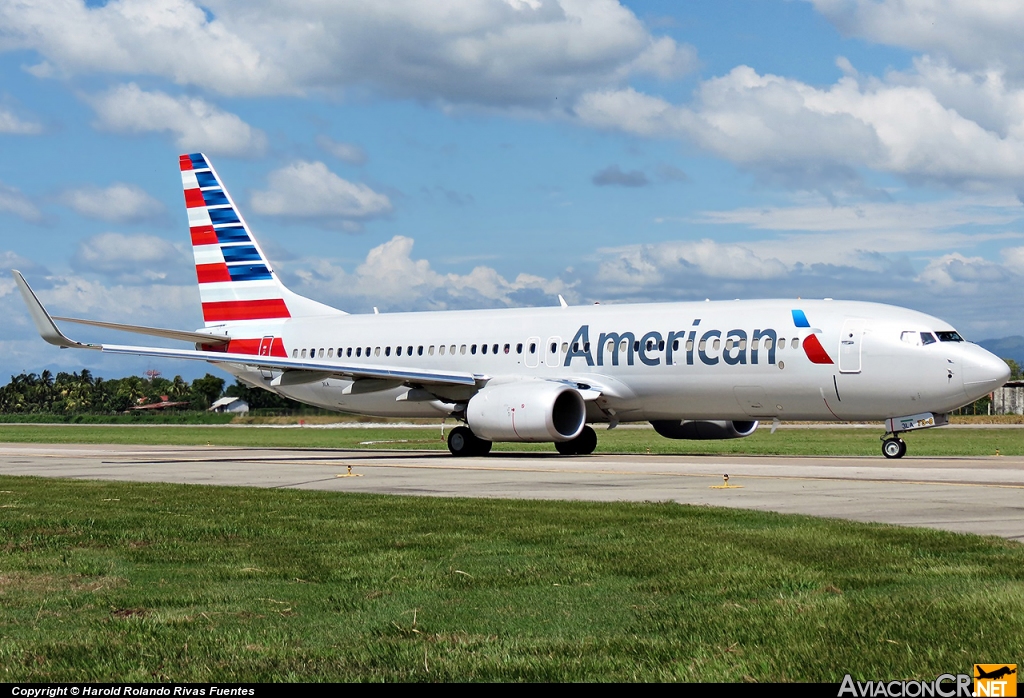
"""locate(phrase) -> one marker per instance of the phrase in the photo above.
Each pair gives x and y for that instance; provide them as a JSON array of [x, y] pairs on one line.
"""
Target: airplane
[[694, 370]]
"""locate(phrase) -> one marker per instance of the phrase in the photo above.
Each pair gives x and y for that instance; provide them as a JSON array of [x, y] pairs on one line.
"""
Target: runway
[[976, 495]]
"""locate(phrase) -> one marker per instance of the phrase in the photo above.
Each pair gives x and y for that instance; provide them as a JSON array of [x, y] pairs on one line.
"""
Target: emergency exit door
[[851, 345]]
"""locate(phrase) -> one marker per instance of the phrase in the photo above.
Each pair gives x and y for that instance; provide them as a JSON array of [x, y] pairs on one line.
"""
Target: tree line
[[83, 393]]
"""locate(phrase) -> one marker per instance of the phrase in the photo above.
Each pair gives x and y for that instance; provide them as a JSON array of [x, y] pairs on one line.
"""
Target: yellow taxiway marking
[[127, 459]]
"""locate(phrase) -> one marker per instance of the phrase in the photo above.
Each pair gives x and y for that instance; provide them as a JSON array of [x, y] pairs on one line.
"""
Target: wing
[[294, 371]]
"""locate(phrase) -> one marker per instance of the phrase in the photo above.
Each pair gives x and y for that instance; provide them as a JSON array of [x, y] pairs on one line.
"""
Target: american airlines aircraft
[[707, 370]]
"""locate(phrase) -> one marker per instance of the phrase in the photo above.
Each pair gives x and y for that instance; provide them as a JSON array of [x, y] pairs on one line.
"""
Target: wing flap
[[196, 337], [338, 370]]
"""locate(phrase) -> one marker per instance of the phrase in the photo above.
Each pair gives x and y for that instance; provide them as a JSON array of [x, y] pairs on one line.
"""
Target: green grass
[[811, 442], [154, 417], [103, 581]]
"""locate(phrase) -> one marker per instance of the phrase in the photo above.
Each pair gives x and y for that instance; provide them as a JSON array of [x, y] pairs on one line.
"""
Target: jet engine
[[702, 430], [527, 411]]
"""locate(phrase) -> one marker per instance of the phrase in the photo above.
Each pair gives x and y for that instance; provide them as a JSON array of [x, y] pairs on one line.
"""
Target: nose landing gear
[[894, 447]]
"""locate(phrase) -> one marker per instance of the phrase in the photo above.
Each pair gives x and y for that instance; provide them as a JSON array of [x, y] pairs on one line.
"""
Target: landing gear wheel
[[582, 445], [463, 442], [894, 447]]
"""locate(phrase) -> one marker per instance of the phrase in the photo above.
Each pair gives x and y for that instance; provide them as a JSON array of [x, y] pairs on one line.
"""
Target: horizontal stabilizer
[[182, 335]]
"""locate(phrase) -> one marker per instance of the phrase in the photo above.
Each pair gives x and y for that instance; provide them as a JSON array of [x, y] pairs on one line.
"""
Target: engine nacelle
[[527, 411], [702, 430]]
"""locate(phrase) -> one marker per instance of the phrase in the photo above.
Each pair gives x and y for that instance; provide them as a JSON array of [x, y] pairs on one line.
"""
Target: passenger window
[[451, 349], [387, 351], [462, 350], [303, 353], [330, 353], [398, 350], [472, 350], [795, 343], [636, 345], [767, 343], [533, 348], [507, 347], [442, 350], [661, 345], [553, 348], [519, 348], [348, 352], [376, 352], [494, 349], [728, 343], [611, 346], [649, 345], [430, 351], [483, 348], [565, 347], [295, 353], [575, 346], [623, 346], [321, 354], [782, 343], [359, 351], [703, 345], [743, 345], [586, 347], [409, 350], [689, 345], [716, 345], [675, 345]]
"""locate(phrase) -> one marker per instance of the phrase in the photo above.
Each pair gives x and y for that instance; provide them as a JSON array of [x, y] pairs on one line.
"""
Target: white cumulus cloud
[[118, 203], [486, 52], [194, 123], [134, 259], [390, 277], [310, 191], [10, 123], [901, 125], [12, 200]]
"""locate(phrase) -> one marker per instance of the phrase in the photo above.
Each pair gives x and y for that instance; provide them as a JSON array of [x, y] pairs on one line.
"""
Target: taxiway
[[976, 495]]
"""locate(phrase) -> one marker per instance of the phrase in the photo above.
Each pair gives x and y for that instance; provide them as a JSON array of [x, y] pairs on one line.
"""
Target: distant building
[[234, 405], [165, 403], [1009, 399]]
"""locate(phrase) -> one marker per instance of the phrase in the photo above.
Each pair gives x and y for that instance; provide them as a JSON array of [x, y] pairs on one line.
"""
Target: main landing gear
[[894, 447], [582, 445], [463, 442]]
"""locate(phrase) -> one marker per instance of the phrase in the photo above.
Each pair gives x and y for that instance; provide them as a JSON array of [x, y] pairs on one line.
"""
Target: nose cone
[[983, 371]]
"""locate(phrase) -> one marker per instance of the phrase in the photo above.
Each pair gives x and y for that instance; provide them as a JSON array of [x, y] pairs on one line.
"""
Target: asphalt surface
[[976, 495]]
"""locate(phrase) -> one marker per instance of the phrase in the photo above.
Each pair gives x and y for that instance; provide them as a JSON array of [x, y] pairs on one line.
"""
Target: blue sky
[[417, 156]]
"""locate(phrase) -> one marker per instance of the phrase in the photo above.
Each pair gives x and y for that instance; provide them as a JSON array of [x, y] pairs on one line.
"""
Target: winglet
[[47, 329], [561, 301]]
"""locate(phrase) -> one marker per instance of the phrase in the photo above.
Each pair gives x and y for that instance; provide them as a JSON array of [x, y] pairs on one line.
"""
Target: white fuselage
[[728, 360]]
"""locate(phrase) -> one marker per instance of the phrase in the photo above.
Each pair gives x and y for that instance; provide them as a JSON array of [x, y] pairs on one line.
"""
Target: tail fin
[[236, 282]]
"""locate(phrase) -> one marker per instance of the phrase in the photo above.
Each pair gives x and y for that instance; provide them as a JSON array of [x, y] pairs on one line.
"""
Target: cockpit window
[[927, 338], [912, 338], [949, 337]]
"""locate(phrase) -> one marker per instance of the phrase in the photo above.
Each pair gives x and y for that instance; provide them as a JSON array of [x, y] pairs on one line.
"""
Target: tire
[[566, 448], [461, 441], [894, 448], [582, 445], [586, 442]]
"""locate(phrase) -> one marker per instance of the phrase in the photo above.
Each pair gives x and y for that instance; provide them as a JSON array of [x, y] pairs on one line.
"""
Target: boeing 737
[[699, 370]]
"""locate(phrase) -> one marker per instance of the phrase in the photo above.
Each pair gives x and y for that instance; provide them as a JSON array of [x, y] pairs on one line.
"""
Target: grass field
[[140, 582], [787, 441]]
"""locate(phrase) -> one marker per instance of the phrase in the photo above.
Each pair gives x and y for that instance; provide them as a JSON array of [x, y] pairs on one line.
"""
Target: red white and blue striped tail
[[236, 281]]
